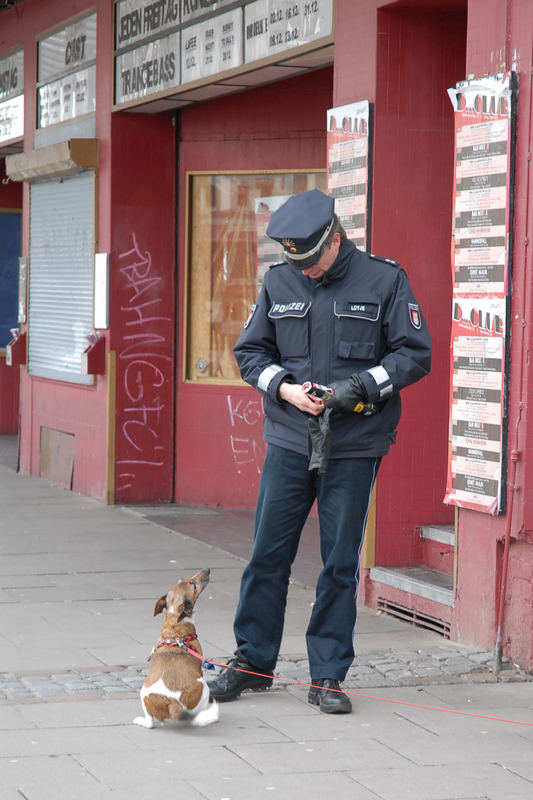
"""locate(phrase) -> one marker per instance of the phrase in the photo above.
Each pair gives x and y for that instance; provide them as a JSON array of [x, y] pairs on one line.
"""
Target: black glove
[[320, 440], [347, 395]]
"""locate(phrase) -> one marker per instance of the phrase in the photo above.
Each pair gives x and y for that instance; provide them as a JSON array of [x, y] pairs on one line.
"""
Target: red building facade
[[171, 132]]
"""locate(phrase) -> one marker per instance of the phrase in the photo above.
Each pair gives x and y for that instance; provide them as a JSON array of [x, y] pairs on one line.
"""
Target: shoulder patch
[[385, 260], [414, 315], [250, 315]]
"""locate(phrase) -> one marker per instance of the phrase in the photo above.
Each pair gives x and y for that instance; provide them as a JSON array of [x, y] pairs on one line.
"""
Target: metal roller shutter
[[61, 276]]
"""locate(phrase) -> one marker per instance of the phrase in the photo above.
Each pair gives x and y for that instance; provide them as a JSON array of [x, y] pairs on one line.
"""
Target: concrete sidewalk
[[77, 590]]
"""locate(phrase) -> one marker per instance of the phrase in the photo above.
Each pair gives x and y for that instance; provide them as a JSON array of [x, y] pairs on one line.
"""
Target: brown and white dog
[[174, 688]]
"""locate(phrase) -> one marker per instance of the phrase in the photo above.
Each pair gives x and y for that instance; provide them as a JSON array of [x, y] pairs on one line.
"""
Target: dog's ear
[[160, 605]]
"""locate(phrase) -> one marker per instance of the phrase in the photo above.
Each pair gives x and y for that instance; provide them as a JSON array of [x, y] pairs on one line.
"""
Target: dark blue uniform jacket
[[360, 317]]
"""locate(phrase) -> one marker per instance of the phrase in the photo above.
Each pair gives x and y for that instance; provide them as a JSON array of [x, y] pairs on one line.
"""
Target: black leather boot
[[329, 697], [229, 684]]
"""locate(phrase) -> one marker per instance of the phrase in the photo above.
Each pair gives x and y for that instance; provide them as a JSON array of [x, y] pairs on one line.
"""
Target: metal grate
[[414, 617]]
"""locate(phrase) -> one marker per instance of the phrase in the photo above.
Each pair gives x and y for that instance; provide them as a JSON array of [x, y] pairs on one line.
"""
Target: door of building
[[237, 162], [10, 238]]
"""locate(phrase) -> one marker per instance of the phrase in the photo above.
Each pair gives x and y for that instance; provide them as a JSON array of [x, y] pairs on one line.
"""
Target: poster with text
[[476, 403], [480, 267], [348, 135], [481, 189]]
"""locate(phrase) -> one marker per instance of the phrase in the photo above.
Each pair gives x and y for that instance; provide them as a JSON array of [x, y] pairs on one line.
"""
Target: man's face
[[329, 254]]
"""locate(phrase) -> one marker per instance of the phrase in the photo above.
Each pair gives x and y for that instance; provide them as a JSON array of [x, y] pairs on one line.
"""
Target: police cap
[[302, 225]]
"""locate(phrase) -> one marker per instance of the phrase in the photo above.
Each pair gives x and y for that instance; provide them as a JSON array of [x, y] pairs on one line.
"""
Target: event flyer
[[476, 392], [481, 195], [348, 167]]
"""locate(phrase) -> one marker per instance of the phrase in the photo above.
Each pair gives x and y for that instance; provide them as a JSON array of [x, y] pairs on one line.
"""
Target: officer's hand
[[347, 394], [292, 393]]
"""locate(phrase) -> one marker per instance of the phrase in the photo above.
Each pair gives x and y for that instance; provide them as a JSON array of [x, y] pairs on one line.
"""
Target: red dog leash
[[213, 664]]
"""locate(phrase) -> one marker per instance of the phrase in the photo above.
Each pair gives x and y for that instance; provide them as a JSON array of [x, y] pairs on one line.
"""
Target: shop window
[[228, 255]]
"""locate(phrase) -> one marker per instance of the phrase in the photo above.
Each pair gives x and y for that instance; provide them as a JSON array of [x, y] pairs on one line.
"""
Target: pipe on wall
[[512, 487]]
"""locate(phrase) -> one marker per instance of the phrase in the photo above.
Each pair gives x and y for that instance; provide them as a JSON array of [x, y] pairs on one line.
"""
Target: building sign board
[[272, 26], [12, 96], [136, 20], [211, 46], [148, 68], [348, 143], [480, 270], [163, 44], [191, 10], [66, 71]]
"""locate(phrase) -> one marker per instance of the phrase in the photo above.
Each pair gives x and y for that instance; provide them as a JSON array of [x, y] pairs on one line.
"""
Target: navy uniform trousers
[[286, 494]]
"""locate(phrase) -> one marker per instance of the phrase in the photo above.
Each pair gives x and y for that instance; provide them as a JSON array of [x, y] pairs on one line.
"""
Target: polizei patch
[[291, 308]]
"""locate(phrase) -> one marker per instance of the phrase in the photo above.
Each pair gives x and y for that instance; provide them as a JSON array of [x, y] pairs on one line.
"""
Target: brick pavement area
[[371, 671]]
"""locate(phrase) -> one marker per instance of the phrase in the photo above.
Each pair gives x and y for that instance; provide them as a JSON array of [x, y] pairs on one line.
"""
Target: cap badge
[[289, 244]]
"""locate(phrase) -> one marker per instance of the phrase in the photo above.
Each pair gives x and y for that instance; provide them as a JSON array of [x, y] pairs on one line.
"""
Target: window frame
[[190, 175]]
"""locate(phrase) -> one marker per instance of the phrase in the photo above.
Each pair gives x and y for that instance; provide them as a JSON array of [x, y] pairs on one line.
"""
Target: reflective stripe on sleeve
[[266, 376], [383, 381]]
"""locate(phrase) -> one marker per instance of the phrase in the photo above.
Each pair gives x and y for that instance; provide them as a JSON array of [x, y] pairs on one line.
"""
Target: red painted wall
[[142, 304], [419, 56], [282, 126], [9, 397]]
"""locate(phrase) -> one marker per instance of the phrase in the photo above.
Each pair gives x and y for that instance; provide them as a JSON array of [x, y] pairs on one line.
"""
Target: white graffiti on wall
[[147, 364], [246, 445]]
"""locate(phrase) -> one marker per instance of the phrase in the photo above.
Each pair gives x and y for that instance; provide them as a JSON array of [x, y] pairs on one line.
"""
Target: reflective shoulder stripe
[[383, 381], [266, 376]]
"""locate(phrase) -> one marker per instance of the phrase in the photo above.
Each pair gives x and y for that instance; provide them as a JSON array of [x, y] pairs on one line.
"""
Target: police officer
[[340, 317]]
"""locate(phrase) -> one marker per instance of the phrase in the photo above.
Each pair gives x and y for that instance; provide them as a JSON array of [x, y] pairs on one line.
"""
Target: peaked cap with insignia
[[302, 225]]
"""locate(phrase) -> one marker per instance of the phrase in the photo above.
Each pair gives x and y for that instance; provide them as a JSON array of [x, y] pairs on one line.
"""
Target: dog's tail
[[206, 716]]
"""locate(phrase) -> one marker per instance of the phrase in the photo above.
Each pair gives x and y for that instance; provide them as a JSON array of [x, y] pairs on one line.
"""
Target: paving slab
[[304, 757], [54, 769], [48, 790], [64, 741], [12, 719], [473, 748], [281, 787], [414, 782], [160, 770], [81, 713], [509, 696]]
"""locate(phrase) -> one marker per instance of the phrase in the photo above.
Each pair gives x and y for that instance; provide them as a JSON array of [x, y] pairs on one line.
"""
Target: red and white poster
[[480, 268], [348, 135], [476, 392]]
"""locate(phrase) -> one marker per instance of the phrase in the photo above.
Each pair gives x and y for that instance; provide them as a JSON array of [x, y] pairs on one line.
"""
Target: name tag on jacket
[[360, 310]]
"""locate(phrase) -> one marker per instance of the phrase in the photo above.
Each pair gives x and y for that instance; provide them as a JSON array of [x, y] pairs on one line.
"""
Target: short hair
[[335, 228]]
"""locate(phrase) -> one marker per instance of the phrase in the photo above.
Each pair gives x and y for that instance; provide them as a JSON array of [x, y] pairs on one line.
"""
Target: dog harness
[[183, 643], [172, 642]]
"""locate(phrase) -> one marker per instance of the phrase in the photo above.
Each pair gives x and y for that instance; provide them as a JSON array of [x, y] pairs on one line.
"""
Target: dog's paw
[[146, 722], [206, 716]]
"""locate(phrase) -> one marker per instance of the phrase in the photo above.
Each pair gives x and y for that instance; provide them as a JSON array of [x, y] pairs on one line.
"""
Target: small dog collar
[[170, 641]]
